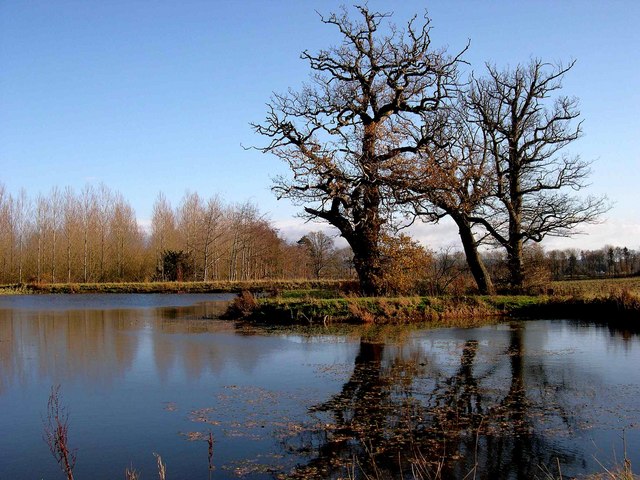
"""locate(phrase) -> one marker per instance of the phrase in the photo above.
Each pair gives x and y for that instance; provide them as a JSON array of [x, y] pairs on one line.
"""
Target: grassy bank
[[180, 287], [369, 310], [314, 307]]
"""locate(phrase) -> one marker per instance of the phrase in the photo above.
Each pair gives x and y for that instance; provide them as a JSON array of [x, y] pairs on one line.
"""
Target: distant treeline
[[608, 261], [93, 236]]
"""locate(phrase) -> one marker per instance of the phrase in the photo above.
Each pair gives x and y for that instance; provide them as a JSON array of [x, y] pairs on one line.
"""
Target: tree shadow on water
[[406, 413]]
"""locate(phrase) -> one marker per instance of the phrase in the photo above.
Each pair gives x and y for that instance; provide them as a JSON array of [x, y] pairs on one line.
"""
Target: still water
[[158, 373]]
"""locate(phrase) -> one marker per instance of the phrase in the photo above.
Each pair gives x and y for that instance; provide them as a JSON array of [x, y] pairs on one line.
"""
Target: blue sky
[[150, 96]]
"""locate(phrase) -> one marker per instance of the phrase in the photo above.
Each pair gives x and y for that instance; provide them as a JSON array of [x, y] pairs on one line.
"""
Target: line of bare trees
[[216, 241], [94, 236], [66, 236]]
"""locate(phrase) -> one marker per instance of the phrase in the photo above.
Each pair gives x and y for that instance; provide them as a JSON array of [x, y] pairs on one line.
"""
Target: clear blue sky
[[150, 96]]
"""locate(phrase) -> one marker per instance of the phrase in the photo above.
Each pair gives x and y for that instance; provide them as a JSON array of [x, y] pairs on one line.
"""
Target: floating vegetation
[[425, 415]]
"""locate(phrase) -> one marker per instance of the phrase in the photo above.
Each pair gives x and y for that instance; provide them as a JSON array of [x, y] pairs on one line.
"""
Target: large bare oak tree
[[372, 100], [525, 131]]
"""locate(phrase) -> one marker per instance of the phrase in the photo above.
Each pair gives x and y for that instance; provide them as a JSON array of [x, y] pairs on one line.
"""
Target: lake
[[145, 374]]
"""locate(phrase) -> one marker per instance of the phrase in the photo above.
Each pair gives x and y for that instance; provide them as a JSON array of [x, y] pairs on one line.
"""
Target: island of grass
[[609, 301]]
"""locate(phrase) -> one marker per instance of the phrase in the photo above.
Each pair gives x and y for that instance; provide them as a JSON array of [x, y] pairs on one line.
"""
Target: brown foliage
[[404, 264], [242, 306]]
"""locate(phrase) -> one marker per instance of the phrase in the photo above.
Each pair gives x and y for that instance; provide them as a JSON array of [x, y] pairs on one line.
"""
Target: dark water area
[[157, 373]]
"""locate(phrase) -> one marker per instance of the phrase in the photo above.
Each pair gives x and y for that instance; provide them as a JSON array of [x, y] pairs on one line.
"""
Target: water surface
[[157, 373]]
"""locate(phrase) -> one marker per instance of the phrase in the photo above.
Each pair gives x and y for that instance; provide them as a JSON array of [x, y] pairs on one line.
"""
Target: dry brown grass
[[222, 286], [595, 288]]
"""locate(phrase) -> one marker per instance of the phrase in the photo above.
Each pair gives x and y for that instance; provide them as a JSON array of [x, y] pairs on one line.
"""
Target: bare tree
[[124, 238], [212, 224], [55, 221], [103, 214], [251, 238], [41, 226], [163, 231], [189, 214], [525, 132], [20, 212], [14, 212], [373, 99], [70, 209], [6, 235], [88, 214], [453, 180], [320, 249]]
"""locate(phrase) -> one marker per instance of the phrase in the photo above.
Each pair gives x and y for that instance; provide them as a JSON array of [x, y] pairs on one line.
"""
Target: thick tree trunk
[[515, 261], [369, 275], [474, 261], [366, 218], [515, 264], [366, 260]]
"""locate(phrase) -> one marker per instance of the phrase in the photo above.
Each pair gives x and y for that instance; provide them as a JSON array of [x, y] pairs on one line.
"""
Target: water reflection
[[64, 344], [497, 402], [406, 408]]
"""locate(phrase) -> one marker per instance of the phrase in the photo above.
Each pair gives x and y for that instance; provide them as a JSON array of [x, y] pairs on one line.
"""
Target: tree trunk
[[20, 261], [474, 261], [85, 255], [53, 258], [39, 261], [515, 264], [68, 260], [366, 260], [514, 247]]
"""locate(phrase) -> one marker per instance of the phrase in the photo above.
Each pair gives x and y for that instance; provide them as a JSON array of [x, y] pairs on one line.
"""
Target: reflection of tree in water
[[625, 330], [64, 345], [510, 443], [395, 412]]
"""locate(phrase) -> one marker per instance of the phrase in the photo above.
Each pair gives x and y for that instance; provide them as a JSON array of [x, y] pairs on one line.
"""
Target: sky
[[158, 96]]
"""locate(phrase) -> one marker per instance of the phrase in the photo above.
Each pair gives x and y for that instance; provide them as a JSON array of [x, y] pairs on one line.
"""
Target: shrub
[[242, 306]]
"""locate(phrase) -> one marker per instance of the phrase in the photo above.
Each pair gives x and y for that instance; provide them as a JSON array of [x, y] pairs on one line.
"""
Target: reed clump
[[14, 289]]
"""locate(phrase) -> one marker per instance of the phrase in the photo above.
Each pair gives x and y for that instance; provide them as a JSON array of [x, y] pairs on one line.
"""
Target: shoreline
[[222, 286], [465, 311], [328, 301]]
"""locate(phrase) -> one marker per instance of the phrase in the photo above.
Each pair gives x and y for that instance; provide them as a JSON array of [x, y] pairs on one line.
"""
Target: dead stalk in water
[[56, 433], [210, 442], [131, 474], [162, 467]]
